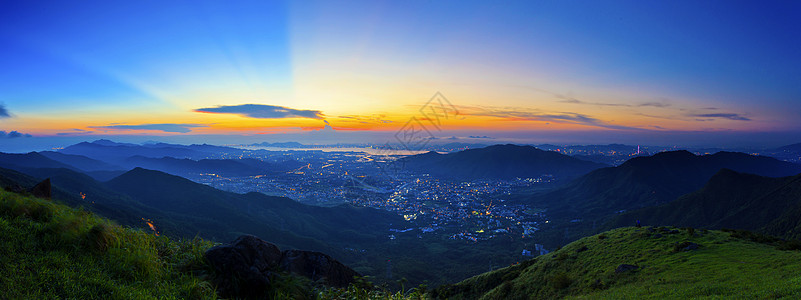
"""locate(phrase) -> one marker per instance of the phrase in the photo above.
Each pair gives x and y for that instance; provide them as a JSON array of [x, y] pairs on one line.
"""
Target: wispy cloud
[[730, 116], [642, 104], [13, 134], [261, 111], [379, 119], [571, 100], [74, 131], [176, 128], [518, 113], [4, 112]]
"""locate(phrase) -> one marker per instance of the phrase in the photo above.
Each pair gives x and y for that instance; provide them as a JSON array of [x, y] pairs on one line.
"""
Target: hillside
[[224, 215], [648, 181], [80, 162], [184, 167], [644, 263], [500, 161], [16, 161], [731, 200], [51, 251]]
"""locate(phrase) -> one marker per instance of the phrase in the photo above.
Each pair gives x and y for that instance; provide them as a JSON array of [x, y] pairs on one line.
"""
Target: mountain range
[[499, 161], [648, 181], [731, 200]]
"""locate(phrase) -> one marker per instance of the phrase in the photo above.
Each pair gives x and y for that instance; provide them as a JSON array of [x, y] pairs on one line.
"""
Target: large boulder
[[246, 267], [318, 267], [42, 189]]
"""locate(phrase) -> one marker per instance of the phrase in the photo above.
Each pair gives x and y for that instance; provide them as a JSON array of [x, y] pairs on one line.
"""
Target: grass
[[51, 251], [727, 265]]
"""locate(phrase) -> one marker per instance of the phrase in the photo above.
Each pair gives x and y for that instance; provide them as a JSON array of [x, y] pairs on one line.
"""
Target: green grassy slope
[[51, 251], [724, 266]]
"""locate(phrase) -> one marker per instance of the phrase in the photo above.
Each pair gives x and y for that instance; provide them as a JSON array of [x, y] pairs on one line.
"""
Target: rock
[[243, 267], [42, 189], [686, 246], [246, 267], [658, 235], [318, 266], [623, 268], [674, 231], [582, 249]]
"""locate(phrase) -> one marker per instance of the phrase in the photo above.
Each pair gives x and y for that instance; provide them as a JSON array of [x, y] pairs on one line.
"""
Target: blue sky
[[614, 69]]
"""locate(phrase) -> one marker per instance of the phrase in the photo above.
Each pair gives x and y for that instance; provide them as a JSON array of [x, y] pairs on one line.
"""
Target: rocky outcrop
[[623, 268], [317, 266], [42, 189], [246, 267]]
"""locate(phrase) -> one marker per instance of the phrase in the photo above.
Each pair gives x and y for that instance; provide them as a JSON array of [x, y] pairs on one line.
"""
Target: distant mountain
[[114, 153], [499, 161], [183, 167], [731, 200], [791, 148], [81, 162], [281, 145], [29, 160], [648, 181]]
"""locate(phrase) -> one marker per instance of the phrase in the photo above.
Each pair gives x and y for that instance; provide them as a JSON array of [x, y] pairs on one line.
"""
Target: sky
[[720, 73]]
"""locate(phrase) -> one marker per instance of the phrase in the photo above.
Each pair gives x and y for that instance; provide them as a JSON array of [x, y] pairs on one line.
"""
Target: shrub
[[790, 245], [561, 281], [601, 236], [100, 237]]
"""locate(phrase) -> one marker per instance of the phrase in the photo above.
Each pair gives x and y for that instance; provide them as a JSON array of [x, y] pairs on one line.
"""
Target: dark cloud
[[178, 128], [4, 112], [13, 134], [730, 116], [261, 111]]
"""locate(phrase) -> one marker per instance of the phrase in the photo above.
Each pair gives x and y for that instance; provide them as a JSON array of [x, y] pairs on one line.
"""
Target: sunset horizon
[[655, 73]]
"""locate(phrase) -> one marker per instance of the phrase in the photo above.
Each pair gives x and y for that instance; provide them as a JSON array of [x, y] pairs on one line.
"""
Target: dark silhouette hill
[[183, 167], [17, 161], [731, 200], [791, 148], [648, 181], [80, 162], [115, 153], [500, 161], [279, 219]]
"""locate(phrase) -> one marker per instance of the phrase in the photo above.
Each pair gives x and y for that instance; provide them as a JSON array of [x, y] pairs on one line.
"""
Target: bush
[[561, 281], [794, 245]]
